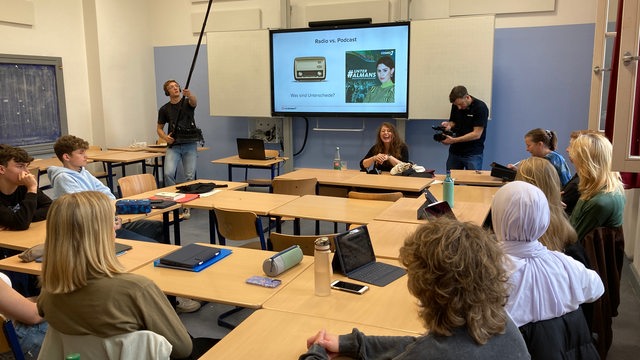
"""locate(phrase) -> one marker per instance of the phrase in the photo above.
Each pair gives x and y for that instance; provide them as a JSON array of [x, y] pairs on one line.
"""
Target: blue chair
[[9, 339]]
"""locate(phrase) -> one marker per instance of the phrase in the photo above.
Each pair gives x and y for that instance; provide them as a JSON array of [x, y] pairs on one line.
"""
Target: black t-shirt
[[465, 120], [168, 114], [20, 209]]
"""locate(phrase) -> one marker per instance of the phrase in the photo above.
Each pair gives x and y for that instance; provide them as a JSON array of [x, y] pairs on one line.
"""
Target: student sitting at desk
[[546, 287], [85, 289], [455, 270], [21, 202], [388, 151], [74, 177]]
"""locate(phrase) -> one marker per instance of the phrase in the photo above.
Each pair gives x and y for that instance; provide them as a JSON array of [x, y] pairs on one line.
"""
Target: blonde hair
[[541, 173], [456, 271], [592, 156], [79, 244]]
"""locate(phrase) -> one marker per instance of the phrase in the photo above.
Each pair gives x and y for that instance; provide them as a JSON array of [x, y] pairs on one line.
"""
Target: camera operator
[[468, 120]]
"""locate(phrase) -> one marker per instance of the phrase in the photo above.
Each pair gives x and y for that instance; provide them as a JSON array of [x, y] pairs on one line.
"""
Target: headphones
[[166, 85]]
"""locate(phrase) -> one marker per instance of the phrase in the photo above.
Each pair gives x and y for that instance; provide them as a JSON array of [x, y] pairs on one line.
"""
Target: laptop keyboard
[[377, 273]]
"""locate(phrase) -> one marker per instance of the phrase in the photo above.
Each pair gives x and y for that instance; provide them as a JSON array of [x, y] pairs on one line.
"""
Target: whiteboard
[[446, 53], [239, 73]]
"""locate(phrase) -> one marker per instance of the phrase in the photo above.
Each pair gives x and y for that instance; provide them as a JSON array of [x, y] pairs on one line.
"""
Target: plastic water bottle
[[447, 189], [337, 164], [322, 267]]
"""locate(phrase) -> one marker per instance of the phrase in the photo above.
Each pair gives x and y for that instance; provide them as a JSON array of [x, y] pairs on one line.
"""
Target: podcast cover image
[[370, 76]]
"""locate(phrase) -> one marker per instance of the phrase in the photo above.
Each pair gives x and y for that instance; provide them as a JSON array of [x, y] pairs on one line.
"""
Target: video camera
[[441, 133]]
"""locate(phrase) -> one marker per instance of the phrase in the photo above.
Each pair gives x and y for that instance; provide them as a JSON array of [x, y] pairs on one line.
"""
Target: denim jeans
[[461, 162], [30, 338], [147, 228], [188, 154]]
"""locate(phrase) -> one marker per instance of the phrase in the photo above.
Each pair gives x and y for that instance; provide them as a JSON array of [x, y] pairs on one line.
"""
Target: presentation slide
[[352, 71]]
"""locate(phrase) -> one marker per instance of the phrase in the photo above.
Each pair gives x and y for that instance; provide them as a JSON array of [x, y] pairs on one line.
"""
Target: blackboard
[[32, 113]]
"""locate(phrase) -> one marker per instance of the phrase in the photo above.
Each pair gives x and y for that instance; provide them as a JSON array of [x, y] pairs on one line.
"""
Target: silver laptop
[[354, 257], [252, 149]]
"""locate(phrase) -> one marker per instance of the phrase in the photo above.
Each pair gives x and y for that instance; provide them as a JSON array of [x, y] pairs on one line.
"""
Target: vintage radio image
[[310, 68]]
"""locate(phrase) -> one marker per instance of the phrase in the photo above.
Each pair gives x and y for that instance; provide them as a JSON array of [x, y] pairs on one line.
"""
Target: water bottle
[[447, 189], [322, 267], [337, 164]]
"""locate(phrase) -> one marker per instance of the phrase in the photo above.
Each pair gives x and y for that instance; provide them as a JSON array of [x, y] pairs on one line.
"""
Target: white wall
[[57, 31]]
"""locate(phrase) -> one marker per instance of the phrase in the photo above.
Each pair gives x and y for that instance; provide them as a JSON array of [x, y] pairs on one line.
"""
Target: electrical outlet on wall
[[267, 129]]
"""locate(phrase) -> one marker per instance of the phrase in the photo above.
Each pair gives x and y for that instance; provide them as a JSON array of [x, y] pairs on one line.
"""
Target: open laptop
[[354, 257], [252, 149]]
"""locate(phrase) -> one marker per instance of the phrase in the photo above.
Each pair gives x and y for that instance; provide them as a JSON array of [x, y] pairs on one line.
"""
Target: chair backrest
[[239, 225], [283, 241], [295, 186], [9, 339], [136, 184], [137, 345], [390, 196]]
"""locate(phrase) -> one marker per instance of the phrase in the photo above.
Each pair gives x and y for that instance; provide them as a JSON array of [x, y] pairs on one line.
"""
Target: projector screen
[[340, 71]]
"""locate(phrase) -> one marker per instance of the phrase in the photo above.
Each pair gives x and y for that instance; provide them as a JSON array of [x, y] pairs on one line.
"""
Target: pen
[[516, 164]]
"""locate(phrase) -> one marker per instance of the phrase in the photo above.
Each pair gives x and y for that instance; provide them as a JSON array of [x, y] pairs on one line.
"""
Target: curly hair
[[8, 153], [456, 271], [592, 155], [67, 144], [541, 173], [396, 145]]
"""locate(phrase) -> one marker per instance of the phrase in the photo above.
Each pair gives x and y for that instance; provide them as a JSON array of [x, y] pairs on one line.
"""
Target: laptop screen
[[355, 248]]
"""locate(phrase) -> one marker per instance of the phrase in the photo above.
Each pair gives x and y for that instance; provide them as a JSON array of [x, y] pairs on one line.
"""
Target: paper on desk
[[209, 193]]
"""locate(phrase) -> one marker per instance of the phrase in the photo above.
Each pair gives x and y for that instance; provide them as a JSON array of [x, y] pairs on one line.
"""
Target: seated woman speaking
[[388, 151]]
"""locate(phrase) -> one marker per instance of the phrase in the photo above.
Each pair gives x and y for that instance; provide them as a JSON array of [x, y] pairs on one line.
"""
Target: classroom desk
[[224, 281], [334, 209], [121, 158], [391, 306], [24, 239], [473, 177], [359, 179], [388, 236], [481, 194], [141, 253], [406, 210], [235, 162], [175, 208], [280, 335], [257, 202]]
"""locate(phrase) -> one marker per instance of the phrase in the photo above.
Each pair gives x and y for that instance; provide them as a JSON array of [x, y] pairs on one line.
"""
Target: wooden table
[[260, 203], [473, 177], [175, 208], [224, 281], [406, 210], [478, 194], [334, 209], [387, 237], [391, 306], [24, 239], [140, 254], [358, 179], [121, 158], [235, 162], [280, 335]]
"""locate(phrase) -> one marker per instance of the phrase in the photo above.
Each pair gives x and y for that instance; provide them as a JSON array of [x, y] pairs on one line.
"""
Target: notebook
[[252, 149], [190, 256], [354, 257]]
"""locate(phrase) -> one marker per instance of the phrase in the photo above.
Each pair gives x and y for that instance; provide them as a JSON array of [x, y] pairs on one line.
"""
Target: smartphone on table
[[349, 287]]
